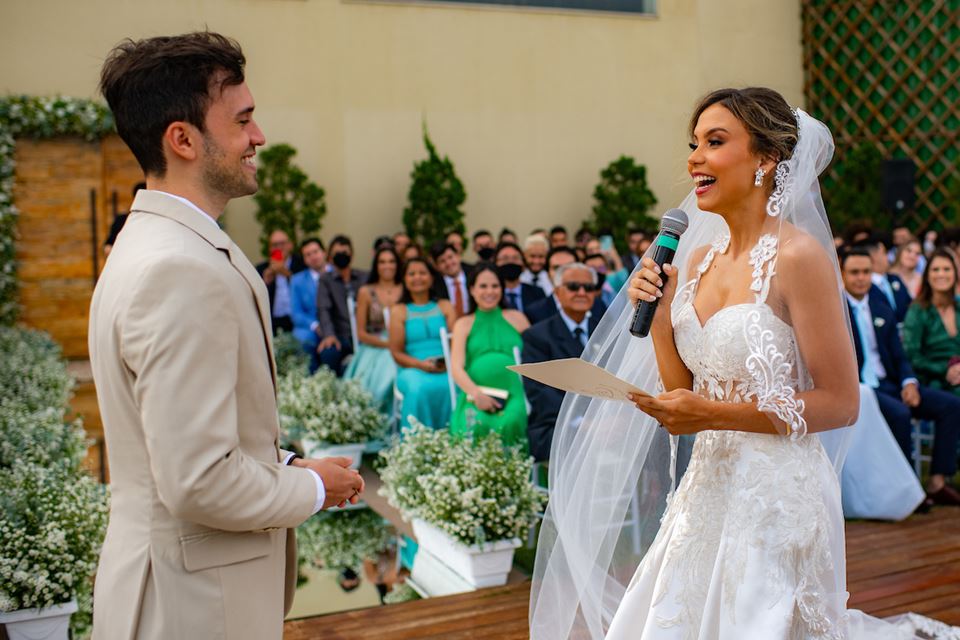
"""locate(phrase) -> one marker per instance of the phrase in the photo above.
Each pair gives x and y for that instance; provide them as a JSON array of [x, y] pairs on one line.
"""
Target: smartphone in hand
[[276, 255], [606, 243]]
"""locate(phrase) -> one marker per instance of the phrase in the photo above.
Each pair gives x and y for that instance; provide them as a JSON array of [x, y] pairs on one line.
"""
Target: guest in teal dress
[[415, 326], [373, 363], [485, 343], [930, 329]]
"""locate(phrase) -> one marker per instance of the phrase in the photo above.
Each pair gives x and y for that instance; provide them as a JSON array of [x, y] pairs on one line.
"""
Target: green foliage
[[35, 118], [33, 375], [952, 208], [343, 538], [287, 198], [476, 491], [855, 195], [435, 197], [289, 355], [622, 200]]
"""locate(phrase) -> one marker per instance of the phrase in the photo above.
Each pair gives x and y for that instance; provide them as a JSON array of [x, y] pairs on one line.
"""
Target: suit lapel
[[241, 264]]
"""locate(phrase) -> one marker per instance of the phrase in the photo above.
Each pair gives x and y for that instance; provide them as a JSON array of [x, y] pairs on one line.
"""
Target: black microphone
[[672, 226]]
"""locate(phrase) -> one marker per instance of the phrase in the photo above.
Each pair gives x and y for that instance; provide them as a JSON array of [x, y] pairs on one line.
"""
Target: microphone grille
[[674, 221]]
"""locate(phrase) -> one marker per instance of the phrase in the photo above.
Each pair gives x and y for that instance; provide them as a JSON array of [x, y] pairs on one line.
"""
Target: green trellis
[[887, 73]]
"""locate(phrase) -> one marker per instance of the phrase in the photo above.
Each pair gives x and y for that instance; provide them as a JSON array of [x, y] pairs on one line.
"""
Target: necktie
[[888, 291], [458, 297], [867, 373], [513, 300], [580, 335]]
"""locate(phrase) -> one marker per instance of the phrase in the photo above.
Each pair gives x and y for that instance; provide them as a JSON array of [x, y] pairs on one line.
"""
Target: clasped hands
[[681, 411], [341, 483]]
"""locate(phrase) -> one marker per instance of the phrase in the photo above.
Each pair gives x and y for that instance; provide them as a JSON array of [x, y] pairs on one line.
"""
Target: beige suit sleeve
[[180, 339]]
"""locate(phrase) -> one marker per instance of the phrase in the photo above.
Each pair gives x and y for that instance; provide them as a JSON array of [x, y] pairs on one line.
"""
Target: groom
[[200, 542]]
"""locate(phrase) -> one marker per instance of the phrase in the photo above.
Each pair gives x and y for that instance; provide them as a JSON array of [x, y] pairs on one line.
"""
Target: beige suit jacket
[[200, 540]]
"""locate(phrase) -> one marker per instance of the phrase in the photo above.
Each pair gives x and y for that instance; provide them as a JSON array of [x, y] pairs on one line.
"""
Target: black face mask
[[510, 272], [486, 254], [341, 259], [601, 278]]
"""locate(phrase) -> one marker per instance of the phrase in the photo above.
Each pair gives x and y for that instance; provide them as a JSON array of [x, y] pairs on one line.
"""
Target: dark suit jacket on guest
[[901, 296], [296, 266], [440, 283], [891, 351], [332, 312], [547, 340], [546, 308], [529, 295]]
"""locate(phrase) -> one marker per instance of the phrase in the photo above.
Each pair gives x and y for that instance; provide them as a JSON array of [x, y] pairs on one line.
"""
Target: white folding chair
[[352, 311], [445, 344]]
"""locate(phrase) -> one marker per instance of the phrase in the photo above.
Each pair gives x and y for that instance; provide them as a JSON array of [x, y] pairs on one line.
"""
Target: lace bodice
[[744, 352]]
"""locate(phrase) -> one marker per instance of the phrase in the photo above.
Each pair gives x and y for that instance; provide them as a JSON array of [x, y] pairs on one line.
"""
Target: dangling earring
[[758, 177]]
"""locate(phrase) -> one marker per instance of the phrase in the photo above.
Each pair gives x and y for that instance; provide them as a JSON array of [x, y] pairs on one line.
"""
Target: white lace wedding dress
[[748, 547]]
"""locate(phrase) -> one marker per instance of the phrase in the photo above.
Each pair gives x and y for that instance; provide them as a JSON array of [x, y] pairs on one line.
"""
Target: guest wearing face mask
[[510, 265], [336, 339], [484, 245]]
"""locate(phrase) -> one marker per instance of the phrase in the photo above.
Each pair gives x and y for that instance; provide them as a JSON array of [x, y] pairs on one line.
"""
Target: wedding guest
[[562, 335], [600, 264], [906, 265], [303, 298], [373, 364], [485, 343], [415, 325], [582, 237], [276, 273], [455, 238], [517, 295], [617, 274], [535, 249], [635, 240], [118, 221], [484, 245], [412, 250], [400, 242], [885, 367], [890, 285], [452, 285], [558, 236], [539, 311], [333, 314], [507, 235], [930, 331]]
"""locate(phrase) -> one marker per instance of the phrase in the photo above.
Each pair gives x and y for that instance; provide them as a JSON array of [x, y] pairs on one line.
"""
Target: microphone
[[672, 226]]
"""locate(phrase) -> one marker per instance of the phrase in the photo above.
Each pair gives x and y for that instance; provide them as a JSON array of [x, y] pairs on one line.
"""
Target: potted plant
[[342, 538], [328, 416], [51, 527], [469, 501], [435, 198]]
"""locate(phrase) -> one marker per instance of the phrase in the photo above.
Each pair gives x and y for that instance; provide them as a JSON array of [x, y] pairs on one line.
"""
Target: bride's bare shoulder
[[802, 253]]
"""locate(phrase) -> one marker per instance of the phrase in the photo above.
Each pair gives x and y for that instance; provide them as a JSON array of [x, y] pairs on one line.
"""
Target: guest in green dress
[[415, 326], [373, 363], [484, 344], [930, 335]]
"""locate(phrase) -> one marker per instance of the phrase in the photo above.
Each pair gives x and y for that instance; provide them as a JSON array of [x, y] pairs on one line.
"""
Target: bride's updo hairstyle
[[767, 117]]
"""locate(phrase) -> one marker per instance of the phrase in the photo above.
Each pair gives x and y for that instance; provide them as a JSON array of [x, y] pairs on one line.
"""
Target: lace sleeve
[[774, 378]]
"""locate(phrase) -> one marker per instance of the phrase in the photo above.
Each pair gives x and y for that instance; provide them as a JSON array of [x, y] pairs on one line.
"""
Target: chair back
[[352, 312], [445, 344]]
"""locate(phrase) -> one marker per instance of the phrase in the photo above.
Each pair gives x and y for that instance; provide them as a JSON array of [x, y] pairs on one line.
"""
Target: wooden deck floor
[[891, 568]]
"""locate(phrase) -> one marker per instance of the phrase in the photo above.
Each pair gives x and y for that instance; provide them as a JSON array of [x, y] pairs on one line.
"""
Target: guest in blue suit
[[562, 335], [885, 367], [303, 298]]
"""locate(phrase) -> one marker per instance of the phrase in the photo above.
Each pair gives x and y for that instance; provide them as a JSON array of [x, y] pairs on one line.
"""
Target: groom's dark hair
[[153, 82]]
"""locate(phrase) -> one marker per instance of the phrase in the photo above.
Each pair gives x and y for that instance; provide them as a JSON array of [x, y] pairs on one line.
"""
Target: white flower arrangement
[[35, 118], [327, 410], [52, 523], [289, 355], [33, 374], [344, 538], [476, 491]]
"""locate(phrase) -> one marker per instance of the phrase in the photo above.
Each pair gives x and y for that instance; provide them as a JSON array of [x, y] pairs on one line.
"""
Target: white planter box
[[485, 566], [51, 623], [354, 451]]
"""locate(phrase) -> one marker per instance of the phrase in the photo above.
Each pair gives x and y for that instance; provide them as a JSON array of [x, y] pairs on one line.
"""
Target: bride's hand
[[680, 411], [648, 284]]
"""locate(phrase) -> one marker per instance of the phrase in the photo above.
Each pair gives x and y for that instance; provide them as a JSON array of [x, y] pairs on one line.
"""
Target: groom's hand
[[341, 483]]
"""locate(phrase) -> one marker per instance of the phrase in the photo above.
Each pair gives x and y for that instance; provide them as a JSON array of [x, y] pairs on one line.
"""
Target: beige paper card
[[578, 376]]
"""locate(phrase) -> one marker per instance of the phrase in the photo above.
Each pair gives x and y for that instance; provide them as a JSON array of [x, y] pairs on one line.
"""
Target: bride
[[752, 351]]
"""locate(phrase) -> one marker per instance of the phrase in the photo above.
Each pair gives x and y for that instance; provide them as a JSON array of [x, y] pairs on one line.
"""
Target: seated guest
[[517, 295], [483, 347], [558, 236], [415, 325], [906, 264], [484, 245], [562, 335], [412, 250], [455, 238], [617, 274], [400, 243], [885, 368], [890, 285], [276, 273], [303, 298], [930, 335], [601, 265], [373, 364], [507, 235], [637, 243], [535, 249], [452, 285], [542, 310], [333, 314]]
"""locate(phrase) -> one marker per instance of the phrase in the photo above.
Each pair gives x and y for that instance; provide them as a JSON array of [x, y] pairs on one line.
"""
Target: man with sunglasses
[[540, 311], [562, 335]]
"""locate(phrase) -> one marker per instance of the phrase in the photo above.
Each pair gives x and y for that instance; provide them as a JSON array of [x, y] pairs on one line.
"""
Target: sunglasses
[[573, 287]]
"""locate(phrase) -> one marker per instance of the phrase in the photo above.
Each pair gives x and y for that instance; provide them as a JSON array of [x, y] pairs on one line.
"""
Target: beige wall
[[529, 104]]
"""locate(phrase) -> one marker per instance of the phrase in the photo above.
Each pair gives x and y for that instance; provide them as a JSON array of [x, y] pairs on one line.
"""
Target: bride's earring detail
[[780, 189], [758, 177]]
